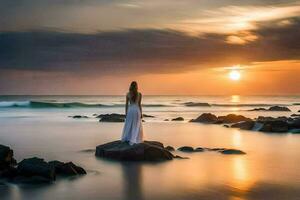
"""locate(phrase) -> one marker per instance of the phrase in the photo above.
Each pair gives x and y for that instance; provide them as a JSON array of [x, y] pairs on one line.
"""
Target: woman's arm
[[140, 105], [126, 105]]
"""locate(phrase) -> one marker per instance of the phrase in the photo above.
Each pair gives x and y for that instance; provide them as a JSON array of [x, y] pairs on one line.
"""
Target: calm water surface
[[270, 170]]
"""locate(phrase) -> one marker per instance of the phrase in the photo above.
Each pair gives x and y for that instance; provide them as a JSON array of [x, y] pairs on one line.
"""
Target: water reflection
[[132, 180]]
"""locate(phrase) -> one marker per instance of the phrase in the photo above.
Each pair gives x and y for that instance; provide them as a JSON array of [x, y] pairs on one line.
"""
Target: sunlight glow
[[234, 75]]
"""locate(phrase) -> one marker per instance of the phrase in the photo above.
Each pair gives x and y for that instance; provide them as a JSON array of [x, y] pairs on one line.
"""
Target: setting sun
[[235, 75]]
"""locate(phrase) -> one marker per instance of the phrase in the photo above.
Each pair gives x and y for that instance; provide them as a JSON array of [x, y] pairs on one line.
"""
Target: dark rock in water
[[199, 149], [166, 120], [186, 149], [295, 131], [272, 108], [232, 151], [278, 108], [267, 119], [170, 148], [258, 109], [36, 167], [6, 158], [66, 169], [294, 124], [275, 126], [245, 125], [233, 118], [295, 115], [88, 150], [149, 116], [111, 117], [226, 125], [145, 151], [178, 119], [195, 104], [216, 149], [206, 118], [79, 116]]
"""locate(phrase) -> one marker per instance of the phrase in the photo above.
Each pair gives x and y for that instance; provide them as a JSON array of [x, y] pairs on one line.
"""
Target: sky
[[90, 47]]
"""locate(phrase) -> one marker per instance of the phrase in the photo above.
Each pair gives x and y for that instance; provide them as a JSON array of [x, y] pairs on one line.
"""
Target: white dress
[[133, 130]]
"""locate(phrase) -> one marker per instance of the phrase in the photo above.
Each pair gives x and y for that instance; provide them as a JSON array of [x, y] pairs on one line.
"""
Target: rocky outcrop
[[36, 167], [114, 117], [206, 118], [232, 151], [244, 125], [66, 169], [79, 117], [272, 108], [213, 119], [186, 149], [178, 119], [233, 118], [169, 148], [145, 151], [33, 170], [279, 108]]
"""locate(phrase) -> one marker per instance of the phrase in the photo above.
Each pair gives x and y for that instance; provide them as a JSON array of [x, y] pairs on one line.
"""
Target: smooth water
[[269, 170]]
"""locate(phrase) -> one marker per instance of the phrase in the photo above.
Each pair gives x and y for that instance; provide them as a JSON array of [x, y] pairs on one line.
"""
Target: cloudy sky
[[169, 47]]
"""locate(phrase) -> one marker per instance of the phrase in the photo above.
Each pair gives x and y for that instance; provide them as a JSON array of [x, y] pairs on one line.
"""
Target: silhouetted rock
[[166, 120], [195, 104], [232, 151], [199, 149], [170, 148], [111, 117], [258, 109], [206, 118], [245, 125], [278, 108], [178, 119], [233, 118], [294, 124], [6, 158], [145, 151], [66, 169], [275, 126], [295, 115], [79, 116], [186, 149], [148, 116], [272, 108], [36, 167]]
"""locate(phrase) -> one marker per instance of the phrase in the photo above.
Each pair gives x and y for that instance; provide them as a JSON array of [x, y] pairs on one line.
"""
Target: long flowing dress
[[133, 129]]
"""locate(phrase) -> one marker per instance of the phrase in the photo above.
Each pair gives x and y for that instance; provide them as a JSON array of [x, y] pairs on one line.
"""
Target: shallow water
[[269, 170]]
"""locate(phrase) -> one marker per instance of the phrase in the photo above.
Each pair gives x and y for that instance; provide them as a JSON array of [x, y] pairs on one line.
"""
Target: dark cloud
[[143, 51]]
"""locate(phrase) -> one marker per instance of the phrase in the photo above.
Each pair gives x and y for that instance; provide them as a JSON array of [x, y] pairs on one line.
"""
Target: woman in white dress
[[133, 130]]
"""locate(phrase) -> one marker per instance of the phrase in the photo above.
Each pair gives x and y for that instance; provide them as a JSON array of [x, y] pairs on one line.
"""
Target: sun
[[235, 75]]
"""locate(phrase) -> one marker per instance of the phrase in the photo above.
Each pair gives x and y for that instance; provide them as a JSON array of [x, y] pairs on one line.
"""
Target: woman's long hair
[[133, 90]]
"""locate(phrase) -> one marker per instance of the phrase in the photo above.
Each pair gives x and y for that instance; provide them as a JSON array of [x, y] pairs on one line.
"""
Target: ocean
[[41, 126]]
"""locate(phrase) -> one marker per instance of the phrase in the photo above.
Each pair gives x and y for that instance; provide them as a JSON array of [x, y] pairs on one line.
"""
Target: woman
[[133, 130]]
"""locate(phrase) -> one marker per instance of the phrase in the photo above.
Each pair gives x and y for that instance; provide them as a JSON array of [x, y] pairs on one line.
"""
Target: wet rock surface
[[178, 119], [145, 151]]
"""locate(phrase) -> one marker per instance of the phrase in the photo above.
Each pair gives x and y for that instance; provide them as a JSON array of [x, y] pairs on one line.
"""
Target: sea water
[[41, 126]]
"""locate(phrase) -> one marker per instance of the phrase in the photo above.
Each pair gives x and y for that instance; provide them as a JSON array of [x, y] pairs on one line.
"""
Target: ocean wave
[[46, 104]]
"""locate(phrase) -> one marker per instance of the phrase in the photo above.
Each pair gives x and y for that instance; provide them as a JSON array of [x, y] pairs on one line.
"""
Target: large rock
[[186, 149], [111, 117], [232, 151], [275, 126], [245, 125], [36, 167], [206, 118], [294, 124], [6, 157], [66, 169], [233, 118], [178, 119], [279, 108], [145, 151]]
